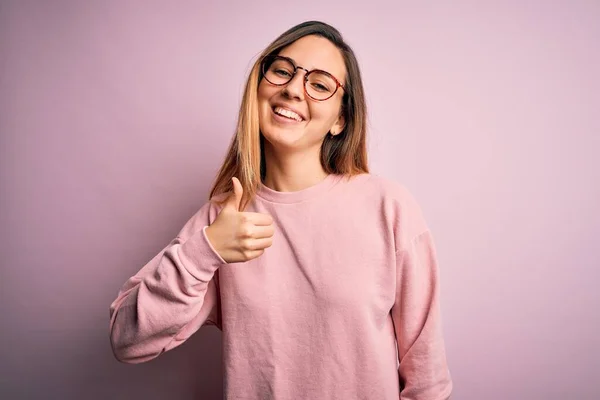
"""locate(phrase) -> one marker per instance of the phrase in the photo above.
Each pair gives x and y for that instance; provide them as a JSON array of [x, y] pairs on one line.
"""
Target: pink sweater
[[349, 287]]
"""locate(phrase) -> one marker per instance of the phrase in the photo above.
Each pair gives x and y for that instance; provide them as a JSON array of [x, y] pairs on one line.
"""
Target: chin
[[282, 137]]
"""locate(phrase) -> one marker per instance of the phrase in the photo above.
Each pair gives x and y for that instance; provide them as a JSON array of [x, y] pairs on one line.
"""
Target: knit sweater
[[345, 304]]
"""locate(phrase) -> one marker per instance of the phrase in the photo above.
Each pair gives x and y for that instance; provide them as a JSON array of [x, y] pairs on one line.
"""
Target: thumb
[[235, 199]]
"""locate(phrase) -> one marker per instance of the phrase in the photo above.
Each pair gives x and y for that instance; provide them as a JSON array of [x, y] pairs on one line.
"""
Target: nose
[[295, 87]]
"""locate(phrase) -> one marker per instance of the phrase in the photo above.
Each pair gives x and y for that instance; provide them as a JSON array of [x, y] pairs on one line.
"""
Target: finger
[[265, 231], [253, 254], [259, 244], [234, 200], [258, 219]]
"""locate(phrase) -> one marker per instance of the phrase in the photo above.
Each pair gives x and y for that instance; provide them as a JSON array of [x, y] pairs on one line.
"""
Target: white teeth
[[287, 113]]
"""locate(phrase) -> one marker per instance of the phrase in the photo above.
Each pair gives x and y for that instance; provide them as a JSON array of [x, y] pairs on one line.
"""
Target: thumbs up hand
[[240, 236]]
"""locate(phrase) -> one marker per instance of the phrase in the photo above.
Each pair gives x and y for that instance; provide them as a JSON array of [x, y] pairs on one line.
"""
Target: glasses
[[318, 84]]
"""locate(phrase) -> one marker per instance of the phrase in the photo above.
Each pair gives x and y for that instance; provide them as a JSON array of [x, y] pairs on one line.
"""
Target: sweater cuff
[[200, 257], [211, 246]]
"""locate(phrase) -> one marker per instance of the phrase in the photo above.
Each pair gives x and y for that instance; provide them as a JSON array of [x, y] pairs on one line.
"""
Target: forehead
[[315, 52]]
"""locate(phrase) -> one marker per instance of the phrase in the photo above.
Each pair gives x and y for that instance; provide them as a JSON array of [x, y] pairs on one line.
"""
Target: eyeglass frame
[[296, 68]]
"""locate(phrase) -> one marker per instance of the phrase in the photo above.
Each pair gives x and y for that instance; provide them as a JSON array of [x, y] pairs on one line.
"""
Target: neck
[[292, 172]]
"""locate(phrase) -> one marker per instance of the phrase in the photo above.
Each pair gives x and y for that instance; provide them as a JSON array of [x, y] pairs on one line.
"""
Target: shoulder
[[399, 208], [387, 189]]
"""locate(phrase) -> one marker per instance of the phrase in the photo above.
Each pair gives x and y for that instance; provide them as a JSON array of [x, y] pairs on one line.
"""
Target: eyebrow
[[296, 64], [312, 69]]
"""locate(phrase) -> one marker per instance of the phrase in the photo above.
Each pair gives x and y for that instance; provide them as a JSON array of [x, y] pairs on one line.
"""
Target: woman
[[320, 275]]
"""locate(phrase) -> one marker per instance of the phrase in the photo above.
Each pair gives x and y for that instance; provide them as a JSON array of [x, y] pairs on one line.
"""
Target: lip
[[283, 105]]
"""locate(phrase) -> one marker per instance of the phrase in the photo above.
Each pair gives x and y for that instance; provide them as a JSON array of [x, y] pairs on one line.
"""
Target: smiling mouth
[[289, 114]]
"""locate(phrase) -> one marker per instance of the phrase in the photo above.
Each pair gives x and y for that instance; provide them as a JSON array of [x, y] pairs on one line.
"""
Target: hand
[[240, 236]]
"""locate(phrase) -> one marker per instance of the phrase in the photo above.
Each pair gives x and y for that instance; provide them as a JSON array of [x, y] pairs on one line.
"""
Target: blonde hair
[[345, 153]]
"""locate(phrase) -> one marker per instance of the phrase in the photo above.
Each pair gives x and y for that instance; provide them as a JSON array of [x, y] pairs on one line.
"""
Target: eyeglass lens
[[319, 86]]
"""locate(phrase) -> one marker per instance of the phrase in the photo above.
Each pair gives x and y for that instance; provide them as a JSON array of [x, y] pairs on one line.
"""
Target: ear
[[339, 125]]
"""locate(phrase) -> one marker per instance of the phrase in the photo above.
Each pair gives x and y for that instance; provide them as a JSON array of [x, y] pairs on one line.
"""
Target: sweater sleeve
[[169, 298], [423, 370]]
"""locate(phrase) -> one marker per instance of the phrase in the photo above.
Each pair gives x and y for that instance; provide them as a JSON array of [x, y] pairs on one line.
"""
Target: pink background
[[114, 117]]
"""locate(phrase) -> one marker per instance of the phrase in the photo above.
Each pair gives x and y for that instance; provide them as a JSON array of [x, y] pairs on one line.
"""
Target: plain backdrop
[[115, 116]]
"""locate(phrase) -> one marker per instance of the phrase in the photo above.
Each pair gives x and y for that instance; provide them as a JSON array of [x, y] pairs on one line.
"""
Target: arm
[[168, 300], [423, 369]]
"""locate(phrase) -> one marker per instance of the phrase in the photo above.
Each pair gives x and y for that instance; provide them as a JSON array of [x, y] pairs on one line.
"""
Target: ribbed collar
[[298, 196]]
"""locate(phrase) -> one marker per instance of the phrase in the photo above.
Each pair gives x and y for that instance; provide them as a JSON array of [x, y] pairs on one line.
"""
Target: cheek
[[264, 94], [261, 92], [265, 91], [263, 102], [324, 114]]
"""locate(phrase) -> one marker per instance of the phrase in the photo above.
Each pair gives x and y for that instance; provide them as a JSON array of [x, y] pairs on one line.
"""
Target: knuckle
[[247, 255], [247, 244], [246, 231]]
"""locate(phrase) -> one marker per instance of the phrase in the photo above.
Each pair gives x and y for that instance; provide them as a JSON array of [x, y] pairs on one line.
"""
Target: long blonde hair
[[345, 153]]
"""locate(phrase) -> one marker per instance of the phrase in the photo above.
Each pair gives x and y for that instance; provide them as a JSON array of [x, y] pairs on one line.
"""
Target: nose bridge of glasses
[[301, 78], [299, 67], [296, 68]]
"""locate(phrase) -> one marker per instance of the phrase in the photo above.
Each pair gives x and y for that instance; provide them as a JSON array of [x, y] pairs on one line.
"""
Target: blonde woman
[[322, 277]]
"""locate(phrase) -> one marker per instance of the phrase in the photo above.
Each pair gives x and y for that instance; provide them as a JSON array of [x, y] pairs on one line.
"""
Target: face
[[316, 118]]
